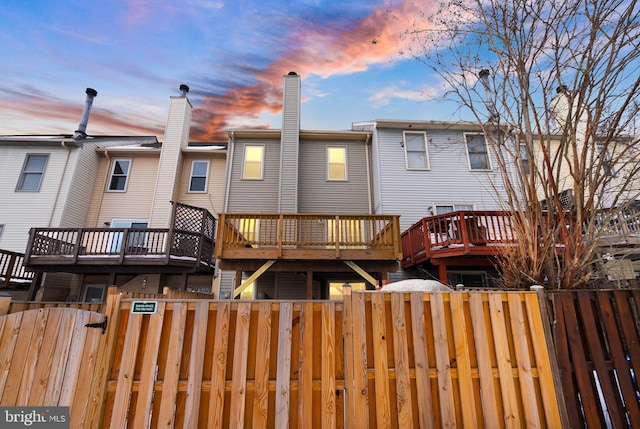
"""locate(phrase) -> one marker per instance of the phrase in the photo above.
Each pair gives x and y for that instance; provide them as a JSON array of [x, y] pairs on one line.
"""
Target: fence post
[[547, 319], [347, 332]]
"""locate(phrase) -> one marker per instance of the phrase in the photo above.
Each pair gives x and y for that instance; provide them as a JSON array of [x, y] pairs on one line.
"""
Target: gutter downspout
[[229, 168], [64, 171], [366, 155]]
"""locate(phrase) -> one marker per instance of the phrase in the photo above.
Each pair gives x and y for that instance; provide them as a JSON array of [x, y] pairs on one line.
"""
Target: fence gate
[[48, 357]]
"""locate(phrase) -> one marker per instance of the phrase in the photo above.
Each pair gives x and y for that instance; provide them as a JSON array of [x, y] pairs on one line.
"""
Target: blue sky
[[232, 54]]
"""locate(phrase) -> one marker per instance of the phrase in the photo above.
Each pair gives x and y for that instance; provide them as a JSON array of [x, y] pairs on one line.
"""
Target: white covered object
[[415, 285]]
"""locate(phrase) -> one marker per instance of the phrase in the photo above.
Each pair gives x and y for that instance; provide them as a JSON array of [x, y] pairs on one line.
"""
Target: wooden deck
[[12, 271], [309, 237], [186, 246], [457, 234]]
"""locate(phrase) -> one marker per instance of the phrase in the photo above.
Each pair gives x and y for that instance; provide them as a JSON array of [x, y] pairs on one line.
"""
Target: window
[[336, 163], [336, 289], [477, 152], [248, 228], [136, 241], [253, 162], [199, 174], [119, 175], [415, 150], [448, 208], [32, 172], [524, 158], [249, 292], [348, 232], [1, 230], [607, 162], [94, 292], [468, 278]]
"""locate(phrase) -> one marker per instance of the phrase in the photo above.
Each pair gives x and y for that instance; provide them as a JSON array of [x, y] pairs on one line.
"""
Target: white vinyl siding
[[477, 152], [336, 163], [119, 175], [253, 168], [32, 172], [413, 193], [416, 152], [199, 176]]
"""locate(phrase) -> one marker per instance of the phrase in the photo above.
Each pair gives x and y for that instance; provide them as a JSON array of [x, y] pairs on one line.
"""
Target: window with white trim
[[524, 159], [477, 152], [416, 153], [336, 163], [199, 175], [253, 166], [32, 172], [119, 175], [448, 208]]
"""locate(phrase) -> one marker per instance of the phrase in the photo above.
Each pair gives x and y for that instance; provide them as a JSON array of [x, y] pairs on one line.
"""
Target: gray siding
[[254, 195], [317, 194], [412, 193]]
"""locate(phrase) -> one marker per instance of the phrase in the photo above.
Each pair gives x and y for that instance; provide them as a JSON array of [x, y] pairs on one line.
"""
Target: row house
[[270, 213], [298, 219], [442, 177], [94, 211]]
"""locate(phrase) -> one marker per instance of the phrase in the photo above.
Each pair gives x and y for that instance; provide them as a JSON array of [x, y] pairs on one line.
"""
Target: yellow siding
[[134, 203], [213, 198]]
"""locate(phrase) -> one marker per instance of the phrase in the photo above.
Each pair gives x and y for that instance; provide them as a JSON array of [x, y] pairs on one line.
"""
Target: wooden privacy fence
[[375, 360], [598, 348]]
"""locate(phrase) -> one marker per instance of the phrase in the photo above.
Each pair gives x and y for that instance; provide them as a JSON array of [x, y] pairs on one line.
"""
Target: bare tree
[[555, 84]]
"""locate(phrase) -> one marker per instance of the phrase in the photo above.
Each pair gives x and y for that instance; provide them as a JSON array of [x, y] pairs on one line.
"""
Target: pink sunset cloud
[[373, 40]]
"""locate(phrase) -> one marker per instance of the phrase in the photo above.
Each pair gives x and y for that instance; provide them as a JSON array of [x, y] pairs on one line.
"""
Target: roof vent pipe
[[491, 106], [184, 89], [81, 133]]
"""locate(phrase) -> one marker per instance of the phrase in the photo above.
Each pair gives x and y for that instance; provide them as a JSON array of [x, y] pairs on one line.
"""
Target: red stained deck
[[456, 234]]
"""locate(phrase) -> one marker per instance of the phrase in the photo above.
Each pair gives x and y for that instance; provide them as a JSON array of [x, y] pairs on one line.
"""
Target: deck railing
[[12, 269], [462, 229], [69, 245], [307, 236], [188, 239]]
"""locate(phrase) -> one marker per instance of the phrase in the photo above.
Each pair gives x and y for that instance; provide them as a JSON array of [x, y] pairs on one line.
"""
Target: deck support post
[[442, 274], [309, 284], [365, 275], [253, 277]]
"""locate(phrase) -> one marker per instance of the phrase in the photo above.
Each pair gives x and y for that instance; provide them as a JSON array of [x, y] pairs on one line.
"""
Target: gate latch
[[102, 324]]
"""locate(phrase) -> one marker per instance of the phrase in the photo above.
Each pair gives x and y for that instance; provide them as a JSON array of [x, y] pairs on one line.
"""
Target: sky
[[351, 56]]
